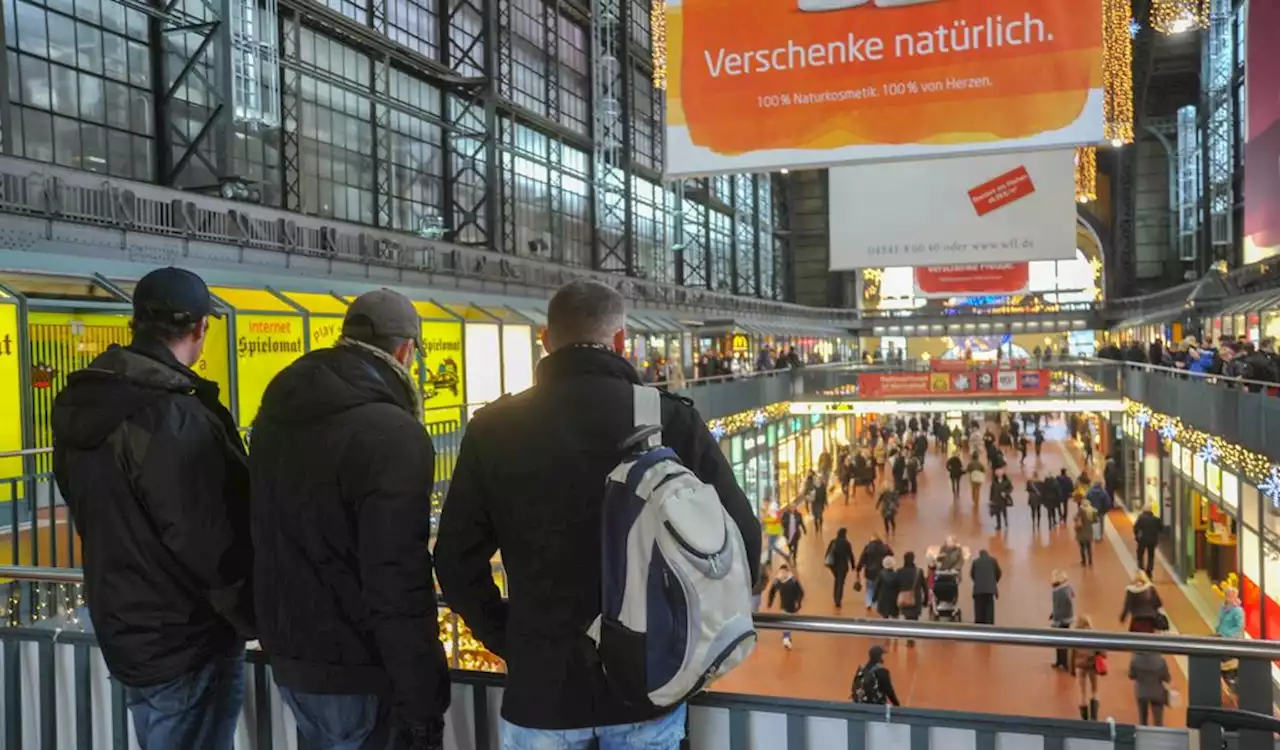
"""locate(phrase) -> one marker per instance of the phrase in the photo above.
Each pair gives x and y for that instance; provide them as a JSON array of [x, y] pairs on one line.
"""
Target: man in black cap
[[342, 472], [155, 474]]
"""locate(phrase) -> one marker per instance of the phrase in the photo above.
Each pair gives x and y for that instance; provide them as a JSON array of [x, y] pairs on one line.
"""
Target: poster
[[215, 359], [1262, 132], [265, 345], [443, 374], [755, 85], [967, 281], [995, 209], [944, 384], [325, 331], [10, 396]]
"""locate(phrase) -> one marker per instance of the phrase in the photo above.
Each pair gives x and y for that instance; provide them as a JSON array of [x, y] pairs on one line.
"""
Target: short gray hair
[[585, 312]]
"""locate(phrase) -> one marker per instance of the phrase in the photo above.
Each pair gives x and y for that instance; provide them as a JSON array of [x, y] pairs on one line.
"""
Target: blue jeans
[[197, 709], [660, 734], [341, 722], [870, 591]]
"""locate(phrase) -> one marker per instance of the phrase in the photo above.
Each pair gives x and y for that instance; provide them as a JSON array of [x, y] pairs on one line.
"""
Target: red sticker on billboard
[[1002, 190]]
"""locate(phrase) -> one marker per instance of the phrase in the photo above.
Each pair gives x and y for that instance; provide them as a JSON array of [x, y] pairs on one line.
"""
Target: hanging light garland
[[1117, 71], [658, 43], [1253, 466], [1179, 16], [1086, 174]]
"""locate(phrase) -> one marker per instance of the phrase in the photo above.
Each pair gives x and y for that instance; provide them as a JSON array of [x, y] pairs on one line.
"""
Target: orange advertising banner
[[760, 85]]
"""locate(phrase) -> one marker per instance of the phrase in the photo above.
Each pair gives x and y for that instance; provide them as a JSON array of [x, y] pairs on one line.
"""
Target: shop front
[[1207, 499]]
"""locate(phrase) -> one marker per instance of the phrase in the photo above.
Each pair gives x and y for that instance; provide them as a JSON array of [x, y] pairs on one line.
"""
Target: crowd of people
[[316, 544], [1232, 358]]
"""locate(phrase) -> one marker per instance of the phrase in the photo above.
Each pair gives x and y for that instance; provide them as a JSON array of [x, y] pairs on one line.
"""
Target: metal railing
[[56, 694]]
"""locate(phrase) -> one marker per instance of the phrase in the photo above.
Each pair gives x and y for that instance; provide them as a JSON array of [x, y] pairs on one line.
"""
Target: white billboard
[[975, 210]]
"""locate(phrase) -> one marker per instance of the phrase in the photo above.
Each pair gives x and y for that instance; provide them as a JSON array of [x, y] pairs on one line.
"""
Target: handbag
[[1161, 621], [830, 560], [1172, 698], [907, 599], [977, 477], [1100, 664], [857, 586]]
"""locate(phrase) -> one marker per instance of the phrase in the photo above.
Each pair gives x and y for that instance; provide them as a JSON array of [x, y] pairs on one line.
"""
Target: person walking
[[793, 529], [787, 588], [1050, 500], [872, 683], [1022, 448], [985, 573], [870, 563], [818, 506], [955, 470], [887, 504], [1084, 525], [1035, 499], [1146, 533], [839, 559], [1087, 665], [977, 477], [1142, 606], [887, 591], [1230, 624], [1150, 674], [1066, 488], [154, 473], [912, 590], [341, 470], [1063, 614], [528, 483], [1039, 441], [1001, 498], [773, 531]]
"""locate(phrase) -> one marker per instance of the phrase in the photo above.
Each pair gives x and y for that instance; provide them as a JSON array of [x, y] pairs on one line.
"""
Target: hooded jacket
[[155, 475], [529, 481], [342, 473], [985, 573], [841, 552], [872, 559], [1146, 530]]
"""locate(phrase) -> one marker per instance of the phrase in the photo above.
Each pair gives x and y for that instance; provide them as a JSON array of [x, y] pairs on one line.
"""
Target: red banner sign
[[969, 281], [1002, 190], [944, 384]]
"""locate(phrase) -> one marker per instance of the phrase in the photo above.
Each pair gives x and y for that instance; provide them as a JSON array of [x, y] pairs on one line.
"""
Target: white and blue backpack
[[675, 582]]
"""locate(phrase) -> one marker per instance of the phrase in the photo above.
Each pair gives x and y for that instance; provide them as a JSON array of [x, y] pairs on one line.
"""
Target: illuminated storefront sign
[[916, 407], [10, 395], [265, 345], [443, 379]]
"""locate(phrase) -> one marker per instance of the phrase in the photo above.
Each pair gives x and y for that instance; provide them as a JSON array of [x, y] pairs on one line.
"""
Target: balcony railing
[[55, 693]]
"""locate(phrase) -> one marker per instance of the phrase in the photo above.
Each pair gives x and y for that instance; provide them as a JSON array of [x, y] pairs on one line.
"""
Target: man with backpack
[[872, 684], [530, 481]]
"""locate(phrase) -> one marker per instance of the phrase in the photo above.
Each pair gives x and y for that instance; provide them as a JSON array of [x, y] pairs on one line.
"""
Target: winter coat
[[955, 467], [1230, 622], [1064, 605], [1150, 674], [985, 573], [841, 553], [1084, 525], [907, 578], [950, 558], [1147, 528], [887, 593], [1141, 602]]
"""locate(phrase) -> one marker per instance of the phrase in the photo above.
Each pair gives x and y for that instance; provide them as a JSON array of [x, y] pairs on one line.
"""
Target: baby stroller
[[944, 595]]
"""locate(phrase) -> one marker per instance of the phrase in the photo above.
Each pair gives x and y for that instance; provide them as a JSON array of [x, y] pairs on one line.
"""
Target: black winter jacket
[[154, 472], [1146, 530], [342, 473], [529, 481]]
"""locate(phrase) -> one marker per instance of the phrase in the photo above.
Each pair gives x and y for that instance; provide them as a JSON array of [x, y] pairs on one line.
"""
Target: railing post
[[1256, 692], [1204, 689]]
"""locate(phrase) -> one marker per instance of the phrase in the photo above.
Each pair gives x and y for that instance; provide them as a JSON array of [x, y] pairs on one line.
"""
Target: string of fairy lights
[[1255, 467], [1179, 16]]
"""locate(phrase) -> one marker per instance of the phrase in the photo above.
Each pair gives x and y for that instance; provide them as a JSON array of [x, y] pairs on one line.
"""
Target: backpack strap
[[648, 413]]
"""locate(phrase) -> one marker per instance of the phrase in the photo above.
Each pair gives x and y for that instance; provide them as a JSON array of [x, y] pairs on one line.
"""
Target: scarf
[[400, 370]]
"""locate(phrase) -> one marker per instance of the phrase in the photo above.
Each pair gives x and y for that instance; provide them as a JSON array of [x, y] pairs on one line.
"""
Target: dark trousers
[[1155, 709], [1086, 553], [1147, 551], [1035, 516], [343, 722], [838, 593], [1060, 655], [794, 546], [817, 521], [984, 609], [890, 524], [1001, 512], [197, 710], [955, 486]]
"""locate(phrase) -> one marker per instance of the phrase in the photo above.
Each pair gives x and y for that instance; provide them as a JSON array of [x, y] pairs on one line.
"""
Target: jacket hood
[[585, 359], [1137, 588], [331, 381], [121, 382]]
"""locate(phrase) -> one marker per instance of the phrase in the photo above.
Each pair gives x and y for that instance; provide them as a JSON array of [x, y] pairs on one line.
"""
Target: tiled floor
[[969, 677]]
